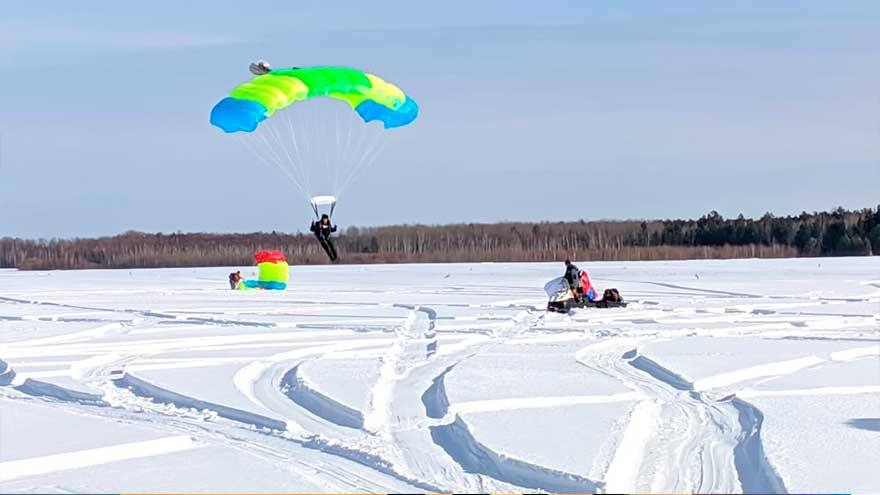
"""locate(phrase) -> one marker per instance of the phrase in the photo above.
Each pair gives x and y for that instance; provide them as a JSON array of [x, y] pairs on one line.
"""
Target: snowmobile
[[562, 300]]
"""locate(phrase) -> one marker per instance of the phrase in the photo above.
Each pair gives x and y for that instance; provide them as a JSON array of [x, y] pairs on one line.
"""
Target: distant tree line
[[836, 233]]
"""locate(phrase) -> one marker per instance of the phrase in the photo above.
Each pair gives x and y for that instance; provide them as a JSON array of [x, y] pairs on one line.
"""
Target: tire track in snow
[[416, 343], [476, 466], [456, 439], [699, 444], [410, 369], [263, 383], [145, 313], [623, 472], [474, 457], [148, 390], [191, 408], [353, 474], [298, 390]]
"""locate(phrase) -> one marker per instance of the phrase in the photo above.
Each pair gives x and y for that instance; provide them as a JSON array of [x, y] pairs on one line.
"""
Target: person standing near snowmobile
[[573, 277], [322, 230]]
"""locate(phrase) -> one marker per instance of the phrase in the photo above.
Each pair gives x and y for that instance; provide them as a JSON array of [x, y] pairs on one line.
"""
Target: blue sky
[[558, 110]]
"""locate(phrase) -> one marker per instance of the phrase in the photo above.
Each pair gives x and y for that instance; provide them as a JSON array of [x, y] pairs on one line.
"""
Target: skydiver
[[322, 230]]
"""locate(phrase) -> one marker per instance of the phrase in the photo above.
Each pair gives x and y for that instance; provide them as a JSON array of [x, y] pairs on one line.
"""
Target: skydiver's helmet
[[325, 217], [260, 67]]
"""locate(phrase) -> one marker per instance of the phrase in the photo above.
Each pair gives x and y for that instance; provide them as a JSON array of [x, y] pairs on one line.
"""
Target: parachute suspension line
[[357, 152], [367, 157], [368, 135], [346, 152], [335, 158], [326, 151], [275, 134], [367, 160], [335, 169], [302, 146], [269, 156], [343, 138], [274, 158], [270, 162], [274, 131], [299, 162]]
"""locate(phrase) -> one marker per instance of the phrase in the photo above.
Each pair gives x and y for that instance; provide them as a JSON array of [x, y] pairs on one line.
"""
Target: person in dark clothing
[[322, 230], [573, 277], [234, 279]]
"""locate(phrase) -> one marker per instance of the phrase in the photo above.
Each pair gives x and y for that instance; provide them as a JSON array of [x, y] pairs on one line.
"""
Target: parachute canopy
[[256, 100], [269, 256], [274, 271]]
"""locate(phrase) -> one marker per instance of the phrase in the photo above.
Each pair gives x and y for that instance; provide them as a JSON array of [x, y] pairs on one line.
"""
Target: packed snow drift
[[719, 376]]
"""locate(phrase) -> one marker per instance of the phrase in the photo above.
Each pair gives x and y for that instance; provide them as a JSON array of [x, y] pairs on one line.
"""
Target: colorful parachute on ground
[[274, 272], [256, 100]]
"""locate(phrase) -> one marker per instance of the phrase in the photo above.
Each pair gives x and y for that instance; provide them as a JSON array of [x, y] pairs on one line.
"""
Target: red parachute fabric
[[589, 292], [269, 256]]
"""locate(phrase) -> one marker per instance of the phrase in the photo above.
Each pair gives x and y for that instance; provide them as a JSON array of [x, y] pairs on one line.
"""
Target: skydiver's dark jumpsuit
[[322, 230]]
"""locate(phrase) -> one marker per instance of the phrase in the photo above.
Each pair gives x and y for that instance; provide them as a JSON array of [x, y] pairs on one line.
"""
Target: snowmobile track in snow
[[231, 370]]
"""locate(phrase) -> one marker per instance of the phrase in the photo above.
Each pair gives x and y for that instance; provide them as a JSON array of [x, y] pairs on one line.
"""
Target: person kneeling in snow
[[235, 278]]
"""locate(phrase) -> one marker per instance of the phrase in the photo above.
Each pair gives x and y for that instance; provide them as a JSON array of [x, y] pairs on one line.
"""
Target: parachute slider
[[260, 67], [318, 201]]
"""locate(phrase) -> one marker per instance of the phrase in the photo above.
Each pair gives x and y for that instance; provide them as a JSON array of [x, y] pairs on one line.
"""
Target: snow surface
[[720, 376]]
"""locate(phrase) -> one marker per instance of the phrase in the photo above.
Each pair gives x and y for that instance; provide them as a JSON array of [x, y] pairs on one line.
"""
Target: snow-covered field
[[721, 376]]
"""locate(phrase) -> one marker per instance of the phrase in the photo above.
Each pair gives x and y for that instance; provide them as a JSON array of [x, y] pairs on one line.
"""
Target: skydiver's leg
[[325, 245], [332, 250]]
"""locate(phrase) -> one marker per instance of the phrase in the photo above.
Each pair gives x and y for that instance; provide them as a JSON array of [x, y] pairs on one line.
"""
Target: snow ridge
[[7, 374], [298, 390], [456, 439], [756, 474], [435, 399], [145, 389], [34, 387]]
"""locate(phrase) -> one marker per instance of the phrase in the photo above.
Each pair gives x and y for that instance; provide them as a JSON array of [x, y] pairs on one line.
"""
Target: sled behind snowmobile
[[566, 306]]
